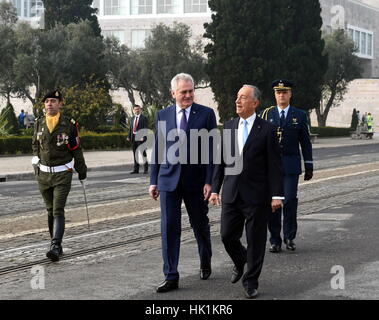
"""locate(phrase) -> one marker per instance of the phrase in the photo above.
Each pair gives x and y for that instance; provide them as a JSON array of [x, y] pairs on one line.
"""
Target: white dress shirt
[[285, 111], [241, 128]]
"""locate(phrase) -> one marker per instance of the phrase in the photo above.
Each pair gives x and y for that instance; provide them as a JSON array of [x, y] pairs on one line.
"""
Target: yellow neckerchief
[[52, 121]]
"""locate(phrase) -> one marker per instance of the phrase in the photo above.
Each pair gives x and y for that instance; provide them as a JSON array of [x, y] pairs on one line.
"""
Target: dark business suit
[[295, 133], [178, 182], [142, 124], [246, 197]]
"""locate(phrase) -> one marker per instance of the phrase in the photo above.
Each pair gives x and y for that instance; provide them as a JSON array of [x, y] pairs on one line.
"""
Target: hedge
[[11, 145], [324, 132]]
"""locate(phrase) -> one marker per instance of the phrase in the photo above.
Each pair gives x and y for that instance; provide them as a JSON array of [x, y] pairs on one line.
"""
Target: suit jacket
[[142, 124], [295, 134], [261, 177], [166, 175]]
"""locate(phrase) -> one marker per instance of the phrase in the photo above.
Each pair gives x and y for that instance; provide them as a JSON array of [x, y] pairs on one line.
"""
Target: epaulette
[[264, 115]]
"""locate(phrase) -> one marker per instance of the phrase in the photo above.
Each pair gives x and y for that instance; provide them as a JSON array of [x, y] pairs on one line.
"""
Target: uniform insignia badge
[[294, 121], [271, 120], [56, 93], [62, 139]]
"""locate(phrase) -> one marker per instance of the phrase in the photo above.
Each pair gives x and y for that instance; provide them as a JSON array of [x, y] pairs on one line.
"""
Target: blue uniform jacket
[[166, 175], [295, 134]]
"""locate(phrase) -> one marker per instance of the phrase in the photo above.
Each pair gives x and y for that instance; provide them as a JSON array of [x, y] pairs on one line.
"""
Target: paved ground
[[19, 167], [337, 236]]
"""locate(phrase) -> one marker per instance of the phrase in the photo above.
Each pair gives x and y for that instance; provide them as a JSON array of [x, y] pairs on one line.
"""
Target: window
[[36, 8], [26, 5], [363, 40], [369, 44], [115, 7], [141, 6], [17, 5], [139, 37], [32, 8], [191, 6], [96, 4], [363, 43], [119, 34], [167, 6]]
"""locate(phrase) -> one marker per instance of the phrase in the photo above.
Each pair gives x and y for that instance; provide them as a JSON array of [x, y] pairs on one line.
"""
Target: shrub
[[331, 131]]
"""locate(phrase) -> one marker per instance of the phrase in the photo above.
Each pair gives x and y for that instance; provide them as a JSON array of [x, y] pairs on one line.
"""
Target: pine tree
[[258, 43], [303, 61], [8, 120], [236, 54], [70, 11]]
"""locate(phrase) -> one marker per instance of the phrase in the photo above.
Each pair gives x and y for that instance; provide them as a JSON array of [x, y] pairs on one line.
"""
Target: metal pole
[[85, 200]]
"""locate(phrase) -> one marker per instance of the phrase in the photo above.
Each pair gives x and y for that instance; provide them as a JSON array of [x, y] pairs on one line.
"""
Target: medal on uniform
[[62, 139]]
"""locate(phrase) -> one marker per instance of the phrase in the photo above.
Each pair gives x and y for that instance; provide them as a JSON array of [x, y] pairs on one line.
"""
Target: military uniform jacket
[[60, 146], [295, 133]]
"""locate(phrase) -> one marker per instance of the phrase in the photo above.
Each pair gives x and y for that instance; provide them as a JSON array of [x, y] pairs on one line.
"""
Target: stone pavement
[[19, 167]]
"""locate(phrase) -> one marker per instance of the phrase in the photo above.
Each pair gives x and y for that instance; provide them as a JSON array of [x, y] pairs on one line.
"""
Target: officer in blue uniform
[[292, 131]]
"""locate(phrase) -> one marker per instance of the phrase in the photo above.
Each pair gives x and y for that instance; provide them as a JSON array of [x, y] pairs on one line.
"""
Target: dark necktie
[[282, 119], [183, 121], [135, 125]]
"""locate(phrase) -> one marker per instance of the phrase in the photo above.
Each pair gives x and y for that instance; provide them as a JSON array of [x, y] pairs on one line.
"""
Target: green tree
[[60, 57], [122, 66], [70, 11], [257, 43], [344, 66], [8, 20], [8, 120], [8, 14], [7, 58], [167, 52], [304, 60], [90, 106]]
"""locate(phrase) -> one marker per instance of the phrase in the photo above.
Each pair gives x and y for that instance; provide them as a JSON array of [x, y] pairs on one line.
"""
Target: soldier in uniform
[[55, 145], [292, 130]]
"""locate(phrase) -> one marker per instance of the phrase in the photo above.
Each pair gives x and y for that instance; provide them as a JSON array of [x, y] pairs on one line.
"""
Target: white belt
[[65, 167]]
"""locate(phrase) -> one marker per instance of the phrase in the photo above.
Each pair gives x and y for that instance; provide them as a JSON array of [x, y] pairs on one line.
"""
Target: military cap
[[282, 84], [53, 94]]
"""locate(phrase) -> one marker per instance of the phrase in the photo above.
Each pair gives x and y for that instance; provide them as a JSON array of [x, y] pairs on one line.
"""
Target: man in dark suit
[[293, 131], [138, 122], [251, 193], [175, 178]]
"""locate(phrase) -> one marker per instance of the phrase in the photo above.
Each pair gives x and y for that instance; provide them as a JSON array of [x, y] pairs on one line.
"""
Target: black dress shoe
[[168, 285], [251, 293], [290, 245], [237, 273], [133, 172], [205, 273], [145, 172], [275, 248]]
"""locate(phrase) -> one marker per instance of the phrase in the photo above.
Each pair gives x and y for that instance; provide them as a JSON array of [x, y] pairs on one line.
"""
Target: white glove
[[35, 160]]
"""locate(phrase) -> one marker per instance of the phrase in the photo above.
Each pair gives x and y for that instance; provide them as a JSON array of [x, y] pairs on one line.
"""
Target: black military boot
[[50, 222], [56, 241]]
